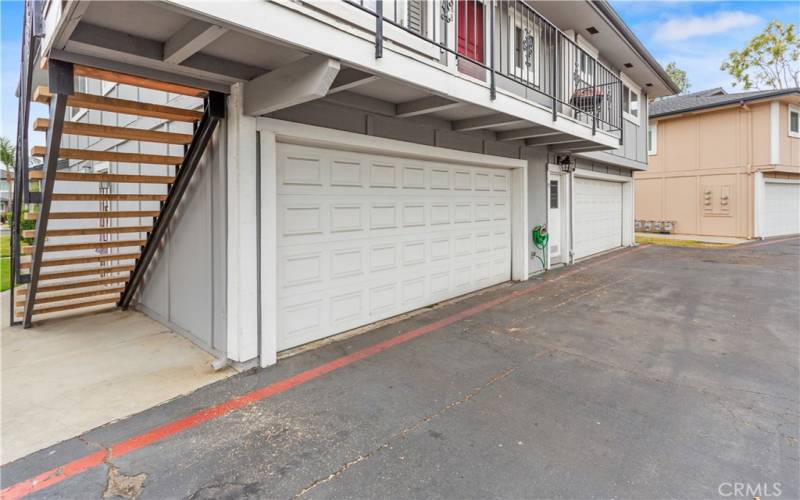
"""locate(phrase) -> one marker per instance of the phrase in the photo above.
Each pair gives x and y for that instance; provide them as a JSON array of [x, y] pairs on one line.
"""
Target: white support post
[[774, 133], [758, 204], [520, 251], [628, 234], [268, 249], [242, 254]]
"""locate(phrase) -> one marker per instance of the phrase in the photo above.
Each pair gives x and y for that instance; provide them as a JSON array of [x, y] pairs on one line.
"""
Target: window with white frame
[[631, 99], [630, 103], [652, 138], [794, 120]]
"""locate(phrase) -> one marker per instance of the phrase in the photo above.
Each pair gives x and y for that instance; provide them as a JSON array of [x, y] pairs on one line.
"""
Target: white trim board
[[628, 199], [793, 108], [310, 135], [781, 181], [774, 133], [602, 176], [758, 204]]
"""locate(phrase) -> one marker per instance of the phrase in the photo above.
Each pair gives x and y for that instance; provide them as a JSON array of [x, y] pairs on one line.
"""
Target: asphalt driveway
[[647, 373]]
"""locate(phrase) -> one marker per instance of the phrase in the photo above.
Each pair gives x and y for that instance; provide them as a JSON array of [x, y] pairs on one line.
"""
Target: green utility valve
[[540, 238]]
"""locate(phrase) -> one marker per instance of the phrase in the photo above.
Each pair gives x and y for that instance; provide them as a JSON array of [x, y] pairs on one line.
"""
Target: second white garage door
[[598, 216], [364, 237], [781, 208]]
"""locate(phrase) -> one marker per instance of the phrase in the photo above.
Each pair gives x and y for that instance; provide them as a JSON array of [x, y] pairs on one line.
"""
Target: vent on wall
[[592, 30], [628, 65]]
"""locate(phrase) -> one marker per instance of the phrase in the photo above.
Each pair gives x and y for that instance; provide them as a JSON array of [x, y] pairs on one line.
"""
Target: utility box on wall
[[716, 200]]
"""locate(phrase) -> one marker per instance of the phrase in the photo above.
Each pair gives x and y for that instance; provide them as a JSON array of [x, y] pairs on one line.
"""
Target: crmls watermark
[[749, 490]]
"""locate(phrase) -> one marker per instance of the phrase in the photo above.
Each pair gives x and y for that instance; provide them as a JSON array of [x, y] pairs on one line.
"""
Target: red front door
[[470, 29]]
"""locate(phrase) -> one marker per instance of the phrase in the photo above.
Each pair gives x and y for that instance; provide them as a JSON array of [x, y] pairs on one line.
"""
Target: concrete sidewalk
[[66, 376]]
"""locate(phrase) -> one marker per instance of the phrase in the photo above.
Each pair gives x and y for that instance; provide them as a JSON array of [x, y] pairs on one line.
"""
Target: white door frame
[[272, 131], [565, 206], [760, 199], [628, 235]]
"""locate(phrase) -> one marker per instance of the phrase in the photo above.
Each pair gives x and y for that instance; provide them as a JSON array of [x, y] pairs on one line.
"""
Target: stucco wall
[[701, 175], [537, 195]]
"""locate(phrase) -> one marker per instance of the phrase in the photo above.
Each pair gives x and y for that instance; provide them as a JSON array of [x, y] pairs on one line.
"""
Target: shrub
[[23, 224]]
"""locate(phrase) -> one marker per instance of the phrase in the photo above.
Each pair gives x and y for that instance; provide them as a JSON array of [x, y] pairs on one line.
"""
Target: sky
[[10, 35], [697, 35]]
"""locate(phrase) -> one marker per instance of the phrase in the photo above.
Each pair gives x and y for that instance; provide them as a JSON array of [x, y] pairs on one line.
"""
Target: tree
[[7, 156], [678, 77], [770, 60]]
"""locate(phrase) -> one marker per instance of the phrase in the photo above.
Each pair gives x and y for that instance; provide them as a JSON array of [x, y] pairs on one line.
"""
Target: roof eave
[[608, 11], [737, 102]]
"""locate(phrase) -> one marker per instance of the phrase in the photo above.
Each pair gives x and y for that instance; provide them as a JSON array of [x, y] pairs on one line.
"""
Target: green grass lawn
[[5, 262], [655, 240]]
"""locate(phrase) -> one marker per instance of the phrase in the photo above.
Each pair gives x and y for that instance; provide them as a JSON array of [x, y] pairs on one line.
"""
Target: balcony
[[509, 46], [498, 67]]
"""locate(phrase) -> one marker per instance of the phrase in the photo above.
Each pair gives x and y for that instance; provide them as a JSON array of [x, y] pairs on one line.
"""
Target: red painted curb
[[122, 448]]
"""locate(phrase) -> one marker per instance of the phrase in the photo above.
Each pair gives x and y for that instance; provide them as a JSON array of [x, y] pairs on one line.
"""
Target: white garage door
[[781, 208], [598, 216], [364, 237]]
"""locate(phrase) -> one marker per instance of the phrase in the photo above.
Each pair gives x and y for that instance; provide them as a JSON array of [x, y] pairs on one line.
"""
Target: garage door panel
[[598, 216], [365, 237], [301, 221], [304, 169], [357, 303], [781, 208], [307, 273]]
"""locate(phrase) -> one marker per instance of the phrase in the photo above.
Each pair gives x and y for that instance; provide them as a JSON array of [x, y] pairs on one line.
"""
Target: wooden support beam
[[525, 133], [90, 154], [66, 261], [127, 133], [430, 104], [583, 147], [91, 230], [107, 43], [190, 39], [122, 214], [74, 296], [154, 74], [305, 80], [68, 247], [86, 272], [72, 285], [350, 78], [482, 122], [362, 102], [128, 178], [42, 94], [138, 81], [552, 139], [77, 305], [108, 197]]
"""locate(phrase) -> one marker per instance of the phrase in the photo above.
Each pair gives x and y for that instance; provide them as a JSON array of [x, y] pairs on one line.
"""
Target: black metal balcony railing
[[512, 46]]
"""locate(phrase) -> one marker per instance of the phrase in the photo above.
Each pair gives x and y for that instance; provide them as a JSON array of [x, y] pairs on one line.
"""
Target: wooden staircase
[[85, 258]]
